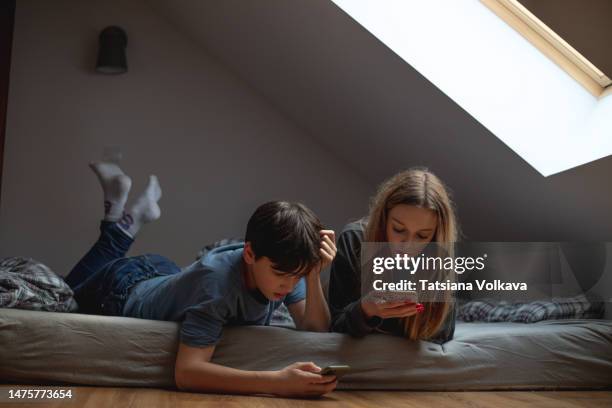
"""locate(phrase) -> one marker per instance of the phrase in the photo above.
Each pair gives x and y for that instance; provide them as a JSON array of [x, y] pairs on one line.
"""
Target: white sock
[[144, 210], [116, 186]]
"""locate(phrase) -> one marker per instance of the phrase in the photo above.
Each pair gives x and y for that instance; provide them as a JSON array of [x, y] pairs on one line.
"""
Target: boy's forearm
[[316, 315], [210, 377]]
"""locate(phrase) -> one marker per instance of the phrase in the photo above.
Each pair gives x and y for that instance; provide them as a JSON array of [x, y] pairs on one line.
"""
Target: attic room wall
[[351, 92], [218, 148], [7, 17]]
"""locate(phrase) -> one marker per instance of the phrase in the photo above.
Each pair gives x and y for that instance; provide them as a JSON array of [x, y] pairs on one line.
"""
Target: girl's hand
[[388, 310], [328, 247], [303, 380]]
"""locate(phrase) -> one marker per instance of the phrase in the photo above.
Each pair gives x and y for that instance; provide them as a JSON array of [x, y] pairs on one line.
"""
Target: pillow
[[210, 247], [282, 317], [28, 284], [491, 310]]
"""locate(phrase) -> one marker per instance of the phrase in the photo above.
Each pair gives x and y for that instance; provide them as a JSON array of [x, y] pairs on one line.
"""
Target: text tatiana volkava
[[424, 284]]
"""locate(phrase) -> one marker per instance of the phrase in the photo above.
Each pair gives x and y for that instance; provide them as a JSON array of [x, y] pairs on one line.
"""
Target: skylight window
[[548, 117]]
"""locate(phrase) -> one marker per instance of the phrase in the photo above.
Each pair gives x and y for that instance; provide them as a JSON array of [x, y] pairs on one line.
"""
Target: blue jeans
[[103, 278]]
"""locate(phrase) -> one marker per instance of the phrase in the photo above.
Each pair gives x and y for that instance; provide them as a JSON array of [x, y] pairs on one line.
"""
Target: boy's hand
[[303, 380], [328, 247]]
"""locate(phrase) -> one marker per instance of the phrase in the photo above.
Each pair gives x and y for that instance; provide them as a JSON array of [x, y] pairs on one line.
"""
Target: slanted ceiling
[[376, 113]]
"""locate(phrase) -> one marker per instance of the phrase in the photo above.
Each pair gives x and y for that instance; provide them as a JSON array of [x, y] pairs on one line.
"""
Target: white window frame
[[551, 45]]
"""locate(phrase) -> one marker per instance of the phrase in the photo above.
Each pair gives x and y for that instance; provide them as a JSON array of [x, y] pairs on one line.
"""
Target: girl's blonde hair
[[421, 188]]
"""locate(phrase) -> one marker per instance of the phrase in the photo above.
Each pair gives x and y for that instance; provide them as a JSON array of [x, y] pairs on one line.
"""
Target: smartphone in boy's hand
[[336, 370], [303, 380]]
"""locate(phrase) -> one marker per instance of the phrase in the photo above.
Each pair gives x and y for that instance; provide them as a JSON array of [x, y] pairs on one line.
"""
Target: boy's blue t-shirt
[[205, 296]]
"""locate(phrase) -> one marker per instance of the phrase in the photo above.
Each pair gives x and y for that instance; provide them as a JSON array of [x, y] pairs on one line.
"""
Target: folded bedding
[[71, 348], [28, 284], [494, 310]]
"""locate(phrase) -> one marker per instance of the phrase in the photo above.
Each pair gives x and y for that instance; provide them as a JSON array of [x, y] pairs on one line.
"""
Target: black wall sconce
[[111, 54]]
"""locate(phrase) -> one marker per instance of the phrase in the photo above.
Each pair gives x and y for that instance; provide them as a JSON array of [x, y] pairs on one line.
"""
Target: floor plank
[[95, 397]]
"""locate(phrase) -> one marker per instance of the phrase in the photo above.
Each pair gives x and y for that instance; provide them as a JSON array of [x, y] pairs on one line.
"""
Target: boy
[[284, 251]]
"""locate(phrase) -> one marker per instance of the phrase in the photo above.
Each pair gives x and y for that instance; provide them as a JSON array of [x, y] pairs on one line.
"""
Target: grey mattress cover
[[46, 348]]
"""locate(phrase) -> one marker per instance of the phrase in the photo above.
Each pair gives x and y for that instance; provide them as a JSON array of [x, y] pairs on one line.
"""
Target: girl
[[411, 207]]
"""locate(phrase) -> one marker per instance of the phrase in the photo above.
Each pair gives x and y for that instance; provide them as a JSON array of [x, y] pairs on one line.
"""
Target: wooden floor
[[96, 397]]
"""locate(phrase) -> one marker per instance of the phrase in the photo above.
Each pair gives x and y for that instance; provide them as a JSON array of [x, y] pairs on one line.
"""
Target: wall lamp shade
[[111, 54]]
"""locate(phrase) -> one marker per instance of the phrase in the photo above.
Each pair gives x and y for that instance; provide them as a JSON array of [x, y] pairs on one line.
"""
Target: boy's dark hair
[[288, 234]]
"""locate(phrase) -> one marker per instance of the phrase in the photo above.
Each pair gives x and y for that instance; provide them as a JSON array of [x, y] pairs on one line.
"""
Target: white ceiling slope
[[496, 75], [376, 112]]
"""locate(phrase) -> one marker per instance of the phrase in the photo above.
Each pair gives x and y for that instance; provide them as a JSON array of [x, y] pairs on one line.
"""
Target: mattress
[[70, 348]]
